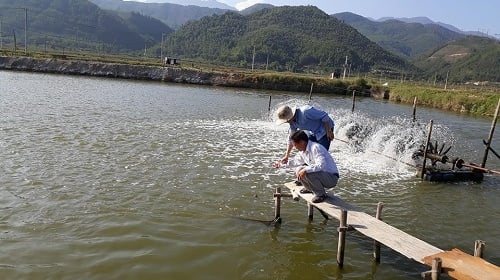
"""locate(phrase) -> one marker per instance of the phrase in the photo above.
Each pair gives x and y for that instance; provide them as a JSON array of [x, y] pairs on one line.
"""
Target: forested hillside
[[76, 25], [467, 59], [301, 38], [411, 40]]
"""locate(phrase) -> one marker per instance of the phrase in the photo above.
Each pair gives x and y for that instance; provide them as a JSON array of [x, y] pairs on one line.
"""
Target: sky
[[467, 15]]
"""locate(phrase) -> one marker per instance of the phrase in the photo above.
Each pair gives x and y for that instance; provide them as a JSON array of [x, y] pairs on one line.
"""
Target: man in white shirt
[[314, 166]]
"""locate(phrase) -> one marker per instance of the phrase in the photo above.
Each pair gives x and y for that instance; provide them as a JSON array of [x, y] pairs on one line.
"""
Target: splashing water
[[374, 147]]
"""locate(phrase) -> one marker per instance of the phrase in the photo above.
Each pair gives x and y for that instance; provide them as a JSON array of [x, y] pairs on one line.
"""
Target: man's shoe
[[318, 198], [304, 190], [298, 183]]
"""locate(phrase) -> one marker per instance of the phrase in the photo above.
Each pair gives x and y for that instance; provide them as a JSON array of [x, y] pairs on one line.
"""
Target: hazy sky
[[467, 15]]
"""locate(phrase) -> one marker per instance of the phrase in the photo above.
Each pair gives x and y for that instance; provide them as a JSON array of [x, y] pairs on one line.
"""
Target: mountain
[[466, 59], [298, 38], [173, 15], [200, 3], [425, 20], [79, 25], [410, 40], [255, 8]]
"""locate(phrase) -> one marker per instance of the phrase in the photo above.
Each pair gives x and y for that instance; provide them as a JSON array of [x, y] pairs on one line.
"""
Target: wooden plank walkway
[[462, 266]]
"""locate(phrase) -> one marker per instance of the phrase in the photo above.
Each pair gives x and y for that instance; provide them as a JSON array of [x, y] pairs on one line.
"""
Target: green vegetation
[[478, 102], [76, 25], [295, 39], [410, 40], [466, 59]]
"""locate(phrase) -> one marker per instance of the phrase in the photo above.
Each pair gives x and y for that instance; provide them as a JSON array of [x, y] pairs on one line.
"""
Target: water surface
[[117, 179]]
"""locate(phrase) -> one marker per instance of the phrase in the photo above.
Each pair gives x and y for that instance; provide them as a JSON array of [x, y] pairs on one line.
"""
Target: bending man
[[315, 121], [314, 166]]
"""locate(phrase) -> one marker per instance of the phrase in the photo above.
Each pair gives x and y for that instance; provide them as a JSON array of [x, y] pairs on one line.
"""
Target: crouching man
[[314, 166]]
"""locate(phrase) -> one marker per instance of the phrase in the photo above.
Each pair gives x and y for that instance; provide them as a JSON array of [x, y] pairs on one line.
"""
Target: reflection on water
[[111, 179]]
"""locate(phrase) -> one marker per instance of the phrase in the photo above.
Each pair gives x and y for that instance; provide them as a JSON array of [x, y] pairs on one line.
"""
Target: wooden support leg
[[436, 269], [435, 273], [342, 233], [310, 211], [277, 203], [479, 248], [376, 245]]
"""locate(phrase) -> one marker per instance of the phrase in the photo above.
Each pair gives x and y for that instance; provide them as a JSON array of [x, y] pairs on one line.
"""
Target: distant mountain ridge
[[426, 20], [200, 3], [173, 15], [410, 40]]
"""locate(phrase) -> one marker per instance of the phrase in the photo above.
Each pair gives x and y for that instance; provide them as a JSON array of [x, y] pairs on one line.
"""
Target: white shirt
[[316, 157]]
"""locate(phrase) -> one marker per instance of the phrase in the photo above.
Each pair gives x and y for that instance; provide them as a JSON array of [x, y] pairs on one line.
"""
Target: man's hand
[[330, 135], [301, 174], [284, 160]]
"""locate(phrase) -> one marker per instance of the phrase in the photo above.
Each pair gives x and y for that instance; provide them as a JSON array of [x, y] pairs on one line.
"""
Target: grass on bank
[[478, 102]]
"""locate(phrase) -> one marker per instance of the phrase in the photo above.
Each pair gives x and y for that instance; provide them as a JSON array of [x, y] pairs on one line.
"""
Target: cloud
[[248, 3]]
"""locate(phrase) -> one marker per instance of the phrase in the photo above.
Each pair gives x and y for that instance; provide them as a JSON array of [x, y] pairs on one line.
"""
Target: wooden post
[[269, 106], [310, 93], [479, 248], [376, 244], [425, 149], [310, 211], [342, 233], [492, 130], [414, 108], [353, 100], [436, 269], [277, 203]]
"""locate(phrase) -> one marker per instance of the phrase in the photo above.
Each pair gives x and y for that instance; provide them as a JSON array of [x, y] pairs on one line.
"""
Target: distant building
[[170, 61]]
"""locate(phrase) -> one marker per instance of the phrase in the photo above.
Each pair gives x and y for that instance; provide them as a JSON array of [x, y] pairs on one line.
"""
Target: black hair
[[298, 136]]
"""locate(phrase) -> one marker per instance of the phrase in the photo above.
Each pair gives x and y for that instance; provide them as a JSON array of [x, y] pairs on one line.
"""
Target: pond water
[[118, 179]]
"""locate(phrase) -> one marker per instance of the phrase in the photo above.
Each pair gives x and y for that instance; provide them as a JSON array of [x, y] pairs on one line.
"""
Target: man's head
[[299, 139], [284, 114]]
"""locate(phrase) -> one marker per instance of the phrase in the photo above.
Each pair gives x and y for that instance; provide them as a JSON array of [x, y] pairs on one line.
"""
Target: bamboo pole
[[376, 244], [342, 233], [492, 130], [425, 150]]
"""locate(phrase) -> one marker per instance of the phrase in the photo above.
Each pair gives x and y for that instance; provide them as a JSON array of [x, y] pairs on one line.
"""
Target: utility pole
[[253, 57], [446, 82], [15, 42], [25, 31], [161, 48], [345, 67], [25, 28], [1, 35]]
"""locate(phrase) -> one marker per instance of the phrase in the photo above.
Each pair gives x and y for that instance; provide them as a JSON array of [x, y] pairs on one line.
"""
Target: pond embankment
[[462, 101], [267, 81]]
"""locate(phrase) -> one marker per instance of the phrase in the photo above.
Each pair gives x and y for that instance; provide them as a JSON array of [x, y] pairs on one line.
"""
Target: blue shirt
[[311, 119], [316, 157]]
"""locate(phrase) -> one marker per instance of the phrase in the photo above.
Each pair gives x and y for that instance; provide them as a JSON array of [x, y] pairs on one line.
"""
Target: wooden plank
[[384, 233], [460, 265]]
